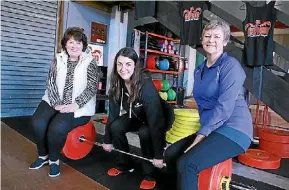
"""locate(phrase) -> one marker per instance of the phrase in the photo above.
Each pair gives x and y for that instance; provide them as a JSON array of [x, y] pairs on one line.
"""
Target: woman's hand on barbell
[[107, 147], [158, 163]]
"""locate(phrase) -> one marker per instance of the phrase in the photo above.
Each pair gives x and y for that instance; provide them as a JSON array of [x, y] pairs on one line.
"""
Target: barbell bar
[[82, 139]]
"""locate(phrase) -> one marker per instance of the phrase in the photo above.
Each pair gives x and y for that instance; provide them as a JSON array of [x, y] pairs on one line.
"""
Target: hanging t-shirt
[[258, 30], [144, 9], [191, 13]]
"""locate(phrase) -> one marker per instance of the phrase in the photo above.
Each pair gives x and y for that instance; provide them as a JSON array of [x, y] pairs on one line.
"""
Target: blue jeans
[[210, 151]]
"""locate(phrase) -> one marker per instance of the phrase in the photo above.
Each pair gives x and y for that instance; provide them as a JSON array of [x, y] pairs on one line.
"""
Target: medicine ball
[[163, 95], [151, 62], [164, 64], [166, 85], [158, 84], [171, 94]]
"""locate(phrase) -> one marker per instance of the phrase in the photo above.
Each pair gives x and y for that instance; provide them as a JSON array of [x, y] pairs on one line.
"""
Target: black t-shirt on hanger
[[258, 28], [144, 9], [191, 13]]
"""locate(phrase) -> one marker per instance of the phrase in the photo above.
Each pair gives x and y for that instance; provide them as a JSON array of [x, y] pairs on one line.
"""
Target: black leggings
[[210, 151], [118, 130], [50, 129]]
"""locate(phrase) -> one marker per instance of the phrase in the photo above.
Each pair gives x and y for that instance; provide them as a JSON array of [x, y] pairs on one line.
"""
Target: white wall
[[191, 52], [117, 36]]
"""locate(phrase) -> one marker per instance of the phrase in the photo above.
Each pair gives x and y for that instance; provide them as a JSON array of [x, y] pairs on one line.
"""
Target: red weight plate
[[274, 135], [260, 159], [73, 148], [210, 178], [279, 149]]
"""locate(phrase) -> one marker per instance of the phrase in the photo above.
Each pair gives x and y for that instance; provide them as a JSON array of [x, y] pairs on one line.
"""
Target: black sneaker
[[54, 170], [38, 164]]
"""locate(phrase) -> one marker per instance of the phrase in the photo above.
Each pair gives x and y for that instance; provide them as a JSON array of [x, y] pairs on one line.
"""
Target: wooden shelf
[[165, 72], [172, 102], [160, 53]]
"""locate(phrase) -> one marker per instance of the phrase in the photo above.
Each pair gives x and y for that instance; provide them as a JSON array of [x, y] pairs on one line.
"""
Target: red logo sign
[[258, 28], [192, 14]]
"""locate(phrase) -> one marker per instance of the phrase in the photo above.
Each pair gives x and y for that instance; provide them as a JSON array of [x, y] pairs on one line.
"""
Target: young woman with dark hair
[[135, 105]]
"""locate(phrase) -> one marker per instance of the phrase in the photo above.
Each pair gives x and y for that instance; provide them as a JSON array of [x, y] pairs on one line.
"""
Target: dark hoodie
[[147, 108]]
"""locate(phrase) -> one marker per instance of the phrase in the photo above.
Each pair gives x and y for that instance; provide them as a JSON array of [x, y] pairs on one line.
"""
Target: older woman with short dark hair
[[226, 123], [69, 99]]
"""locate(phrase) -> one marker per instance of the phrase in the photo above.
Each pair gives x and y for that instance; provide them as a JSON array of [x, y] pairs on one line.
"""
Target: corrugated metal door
[[28, 36]]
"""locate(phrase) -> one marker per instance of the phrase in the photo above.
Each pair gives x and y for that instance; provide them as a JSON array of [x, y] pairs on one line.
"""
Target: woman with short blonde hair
[[226, 123]]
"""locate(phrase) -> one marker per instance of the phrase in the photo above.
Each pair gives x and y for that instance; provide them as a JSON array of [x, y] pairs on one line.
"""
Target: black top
[[144, 9], [258, 28], [148, 108], [191, 13]]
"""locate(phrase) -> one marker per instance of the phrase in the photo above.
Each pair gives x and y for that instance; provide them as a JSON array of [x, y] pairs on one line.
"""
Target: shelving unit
[[164, 72], [101, 96], [149, 51], [172, 102], [159, 52]]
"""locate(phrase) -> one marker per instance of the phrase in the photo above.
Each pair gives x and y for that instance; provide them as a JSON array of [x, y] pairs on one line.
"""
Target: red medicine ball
[[151, 62], [158, 84]]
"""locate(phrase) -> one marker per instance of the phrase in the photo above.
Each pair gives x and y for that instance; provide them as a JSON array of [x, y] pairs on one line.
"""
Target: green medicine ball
[[171, 94], [166, 85]]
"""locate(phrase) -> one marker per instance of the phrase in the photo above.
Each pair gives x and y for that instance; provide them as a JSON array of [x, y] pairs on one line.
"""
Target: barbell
[[82, 139]]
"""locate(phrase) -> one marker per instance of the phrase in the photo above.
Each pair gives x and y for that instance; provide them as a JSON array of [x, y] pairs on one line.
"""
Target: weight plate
[[260, 159], [187, 112], [185, 118], [279, 149], [186, 124], [73, 148], [274, 135], [210, 178], [171, 138], [181, 133], [184, 130]]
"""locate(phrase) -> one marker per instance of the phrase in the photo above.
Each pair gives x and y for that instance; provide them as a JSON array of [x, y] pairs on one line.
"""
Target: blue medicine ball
[[164, 64]]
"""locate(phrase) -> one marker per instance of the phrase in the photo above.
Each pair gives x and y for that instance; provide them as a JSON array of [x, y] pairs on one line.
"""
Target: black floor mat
[[97, 162]]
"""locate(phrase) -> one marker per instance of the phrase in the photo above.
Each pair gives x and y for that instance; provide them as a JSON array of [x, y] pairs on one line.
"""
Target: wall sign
[[97, 53], [98, 33]]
